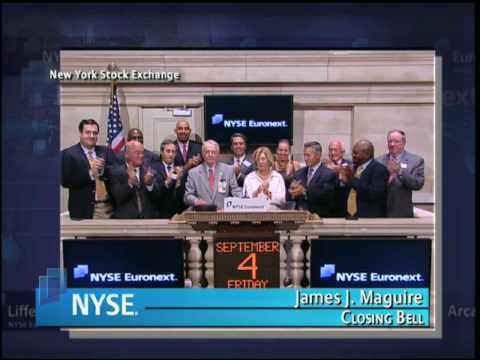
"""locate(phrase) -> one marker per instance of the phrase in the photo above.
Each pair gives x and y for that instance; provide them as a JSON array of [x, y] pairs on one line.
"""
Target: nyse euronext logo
[[82, 271], [218, 119], [328, 270]]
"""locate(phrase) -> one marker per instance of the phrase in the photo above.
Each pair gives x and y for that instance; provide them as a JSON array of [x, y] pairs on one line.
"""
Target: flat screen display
[[263, 119], [375, 263], [124, 263]]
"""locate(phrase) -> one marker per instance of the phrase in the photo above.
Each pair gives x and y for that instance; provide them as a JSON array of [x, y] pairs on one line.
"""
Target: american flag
[[115, 139]]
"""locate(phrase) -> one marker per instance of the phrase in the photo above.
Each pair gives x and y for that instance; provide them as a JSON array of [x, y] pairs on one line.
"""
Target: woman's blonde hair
[[263, 150]]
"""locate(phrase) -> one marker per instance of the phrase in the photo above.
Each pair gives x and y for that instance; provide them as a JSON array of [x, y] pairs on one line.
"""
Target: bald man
[[133, 185], [189, 152], [366, 183], [407, 174]]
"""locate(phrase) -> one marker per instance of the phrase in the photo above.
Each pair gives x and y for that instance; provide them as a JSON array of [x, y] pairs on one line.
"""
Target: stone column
[[195, 261]]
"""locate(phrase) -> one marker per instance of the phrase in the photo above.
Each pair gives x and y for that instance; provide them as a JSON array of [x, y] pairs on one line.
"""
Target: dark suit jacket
[[320, 194], [194, 148], [371, 190], [126, 199], [75, 177], [244, 169], [170, 198], [149, 157]]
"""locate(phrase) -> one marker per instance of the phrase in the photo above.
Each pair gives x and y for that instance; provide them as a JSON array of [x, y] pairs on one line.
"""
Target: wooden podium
[[212, 220], [247, 249]]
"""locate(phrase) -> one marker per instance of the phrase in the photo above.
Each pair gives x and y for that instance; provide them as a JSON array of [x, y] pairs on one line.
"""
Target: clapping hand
[[179, 170], [194, 161], [393, 167], [200, 202], [330, 164], [265, 186], [149, 176], [132, 177], [237, 168], [345, 174], [97, 166], [296, 189], [171, 175]]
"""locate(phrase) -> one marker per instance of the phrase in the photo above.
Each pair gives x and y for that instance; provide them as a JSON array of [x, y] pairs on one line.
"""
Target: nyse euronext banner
[[189, 307]]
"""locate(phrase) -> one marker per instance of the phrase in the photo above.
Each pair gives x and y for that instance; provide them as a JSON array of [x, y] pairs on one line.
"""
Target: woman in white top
[[265, 182]]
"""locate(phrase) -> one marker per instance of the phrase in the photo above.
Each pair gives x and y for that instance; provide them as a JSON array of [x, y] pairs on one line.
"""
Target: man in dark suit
[[133, 186], [84, 174], [242, 163], [314, 185], [406, 175], [137, 134], [367, 183], [336, 161], [170, 181], [189, 153]]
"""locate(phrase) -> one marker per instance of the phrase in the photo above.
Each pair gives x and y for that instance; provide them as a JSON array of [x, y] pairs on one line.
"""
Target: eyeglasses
[[136, 138]]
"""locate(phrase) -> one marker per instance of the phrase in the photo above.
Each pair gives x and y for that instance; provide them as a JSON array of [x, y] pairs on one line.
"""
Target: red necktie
[[211, 180], [184, 152]]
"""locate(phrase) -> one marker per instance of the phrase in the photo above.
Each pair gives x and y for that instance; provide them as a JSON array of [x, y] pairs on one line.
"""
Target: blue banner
[[326, 307]]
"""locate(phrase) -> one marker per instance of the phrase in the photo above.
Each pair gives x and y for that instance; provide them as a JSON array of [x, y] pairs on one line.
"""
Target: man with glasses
[[212, 181]]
